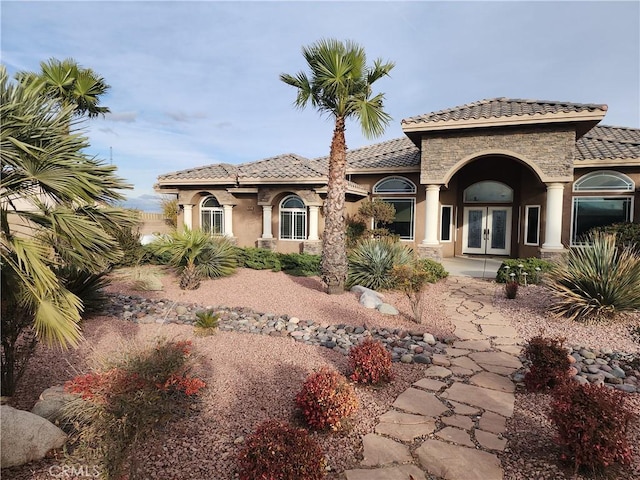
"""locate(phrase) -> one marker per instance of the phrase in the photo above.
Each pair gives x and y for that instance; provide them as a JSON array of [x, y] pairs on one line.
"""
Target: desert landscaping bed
[[252, 378]]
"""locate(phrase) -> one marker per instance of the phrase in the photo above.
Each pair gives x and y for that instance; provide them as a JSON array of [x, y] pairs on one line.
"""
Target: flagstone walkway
[[449, 424]]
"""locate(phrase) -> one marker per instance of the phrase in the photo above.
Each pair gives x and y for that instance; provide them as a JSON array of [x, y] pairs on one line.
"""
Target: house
[[500, 177]]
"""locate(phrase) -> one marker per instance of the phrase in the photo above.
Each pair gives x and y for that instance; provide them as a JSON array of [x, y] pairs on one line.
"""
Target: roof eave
[[607, 162]]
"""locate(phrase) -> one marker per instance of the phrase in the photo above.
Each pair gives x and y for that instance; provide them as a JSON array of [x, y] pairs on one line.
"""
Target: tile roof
[[400, 152], [502, 107], [282, 166], [605, 142], [218, 171]]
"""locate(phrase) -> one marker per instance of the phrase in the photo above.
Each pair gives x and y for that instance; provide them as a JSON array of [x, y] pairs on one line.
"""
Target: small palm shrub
[[277, 451], [549, 364], [534, 268], [326, 399], [370, 362], [121, 403], [300, 264], [596, 280], [259, 259], [206, 323], [592, 423], [87, 286], [371, 262]]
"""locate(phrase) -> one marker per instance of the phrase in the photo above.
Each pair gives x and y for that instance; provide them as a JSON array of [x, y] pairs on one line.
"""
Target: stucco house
[[500, 177]]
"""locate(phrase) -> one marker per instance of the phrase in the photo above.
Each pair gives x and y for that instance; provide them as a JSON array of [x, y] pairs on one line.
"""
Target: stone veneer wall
[[551, 149]]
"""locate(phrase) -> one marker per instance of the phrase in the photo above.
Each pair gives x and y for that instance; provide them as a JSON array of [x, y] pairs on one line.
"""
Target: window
[[394, 185], [532, 225], [604, 181], [403, 223], [590, 212], [293, 218], [446, 222], [488, 192], [211, 216]]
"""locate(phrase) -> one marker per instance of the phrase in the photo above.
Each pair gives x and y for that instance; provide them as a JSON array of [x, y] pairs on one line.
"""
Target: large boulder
[[370, 300], [26, 437], [51, 403]]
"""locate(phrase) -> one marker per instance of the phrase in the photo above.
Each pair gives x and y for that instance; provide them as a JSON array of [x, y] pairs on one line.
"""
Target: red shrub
[[326, 399], [592, 425], [549, 364], [370, 362], [277, 451]]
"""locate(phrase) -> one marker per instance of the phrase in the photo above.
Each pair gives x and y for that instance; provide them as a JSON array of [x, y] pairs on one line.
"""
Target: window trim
[[630, 185], [292, 212], [211, 210], [629, 198], [450, 207], [413, 214], [526, 225], [400, 192]]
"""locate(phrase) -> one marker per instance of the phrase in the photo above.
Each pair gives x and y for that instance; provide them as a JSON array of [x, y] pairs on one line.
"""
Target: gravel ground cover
[[252, 378]]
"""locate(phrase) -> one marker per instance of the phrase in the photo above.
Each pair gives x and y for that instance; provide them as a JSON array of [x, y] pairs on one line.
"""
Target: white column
[[266, 221], [188, 216], [553, 226], [228, 220], [313, 223], [431, 216]]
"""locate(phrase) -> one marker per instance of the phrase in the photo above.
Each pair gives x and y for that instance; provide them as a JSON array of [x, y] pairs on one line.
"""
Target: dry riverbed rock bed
[[252, 378]]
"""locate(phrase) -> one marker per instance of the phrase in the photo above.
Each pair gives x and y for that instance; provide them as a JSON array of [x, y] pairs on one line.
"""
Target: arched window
[[394, 185], [293, 218], [391, 190], [591, 211], [604, 181], [212, 216], [488, 192]]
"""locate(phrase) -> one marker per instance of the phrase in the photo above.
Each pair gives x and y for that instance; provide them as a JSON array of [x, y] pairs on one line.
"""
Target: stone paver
[[498, 402], [467, 392], [420, 402], [493, 381], [380, 451], [405, 426], [454, 462]]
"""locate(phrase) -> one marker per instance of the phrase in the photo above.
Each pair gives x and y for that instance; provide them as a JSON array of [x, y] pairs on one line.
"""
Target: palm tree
[[339, 84], [56, 204], [70, 85]]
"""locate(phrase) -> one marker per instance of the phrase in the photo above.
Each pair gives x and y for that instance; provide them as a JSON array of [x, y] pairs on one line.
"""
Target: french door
[[487, 230]]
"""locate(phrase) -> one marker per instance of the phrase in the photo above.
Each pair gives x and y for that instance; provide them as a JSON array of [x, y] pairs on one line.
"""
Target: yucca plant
[[206, 323], [197, 255], [596, 280], [371, 262]]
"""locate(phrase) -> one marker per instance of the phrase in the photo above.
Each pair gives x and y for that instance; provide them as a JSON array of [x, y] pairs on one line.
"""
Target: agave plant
[[197, 255], [596, 280], [372, 260]]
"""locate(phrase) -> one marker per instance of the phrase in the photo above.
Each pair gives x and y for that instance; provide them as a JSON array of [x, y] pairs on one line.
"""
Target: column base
[[267, 243], [552, 254], [434, 252], [312, 247]]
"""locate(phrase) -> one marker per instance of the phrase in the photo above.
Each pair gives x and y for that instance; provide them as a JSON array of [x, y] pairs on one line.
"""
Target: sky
[[197, 83]]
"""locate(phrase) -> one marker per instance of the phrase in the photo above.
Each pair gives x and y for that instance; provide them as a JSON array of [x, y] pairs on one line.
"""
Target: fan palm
[[339, 84], [49, 215]]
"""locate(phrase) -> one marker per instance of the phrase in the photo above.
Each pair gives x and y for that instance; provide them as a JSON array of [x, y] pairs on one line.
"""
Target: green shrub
[[129, 398], [435, 269], [596, 280], [133, 252], [326, 399], [592, 423], [411, 278], [370, 362], [535, 268], [356, 229], [300, 264], [259, 259], [549, 364], [87, 286], [627, 234], [277, 451], [371, 262]]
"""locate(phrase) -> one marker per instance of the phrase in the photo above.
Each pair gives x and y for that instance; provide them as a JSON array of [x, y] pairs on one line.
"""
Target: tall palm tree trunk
[[333, 265]]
